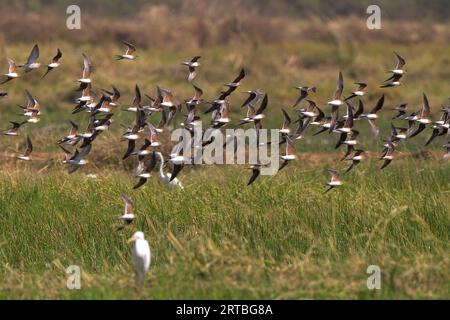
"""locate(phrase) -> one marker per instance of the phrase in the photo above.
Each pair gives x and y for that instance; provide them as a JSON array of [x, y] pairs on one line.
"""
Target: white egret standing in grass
[[140, 254]]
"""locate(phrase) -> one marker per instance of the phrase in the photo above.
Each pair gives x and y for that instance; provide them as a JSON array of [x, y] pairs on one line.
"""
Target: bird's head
[[138, 235]]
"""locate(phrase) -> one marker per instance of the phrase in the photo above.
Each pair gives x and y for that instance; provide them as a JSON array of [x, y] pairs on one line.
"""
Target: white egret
[[141, 256], [165, 177]]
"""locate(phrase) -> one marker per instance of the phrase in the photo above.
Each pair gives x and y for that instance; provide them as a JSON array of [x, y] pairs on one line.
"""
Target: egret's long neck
[[161, 163]]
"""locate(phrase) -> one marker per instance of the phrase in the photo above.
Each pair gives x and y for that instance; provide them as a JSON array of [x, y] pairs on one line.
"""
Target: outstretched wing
[[34, 55]]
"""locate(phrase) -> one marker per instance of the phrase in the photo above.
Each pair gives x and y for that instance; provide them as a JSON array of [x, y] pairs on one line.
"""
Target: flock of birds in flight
[[101, 113]]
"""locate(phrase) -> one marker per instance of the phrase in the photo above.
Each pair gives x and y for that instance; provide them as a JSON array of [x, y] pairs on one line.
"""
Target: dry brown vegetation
[[198, 25]]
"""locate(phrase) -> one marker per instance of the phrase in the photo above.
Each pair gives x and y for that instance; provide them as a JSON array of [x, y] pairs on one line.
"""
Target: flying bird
[[393, 81], [317, 120], [397, 73], [197, 98], [398, 69], [128, 216], [289, 154], [424, 118], [104, 123], [236, 82], [54, 63], [359, 91], [168, 178], [129, 54], [356, 159], [387, 155], [87, 69], [304, 92], [253, 114], [216, 103], [401, 111], [303, 123], [337, 101], [13, 131], [85, 94], [12, 71], [372, 116], [72, 137], [350, 142], [145, 166], [253, 97], [32, 60], [177, 160], [441, 126], [143, 151], [346, 128], [221, 117], [398, 133], [103, 106], [256, 171], [286, 122], [348, 124], [335, 182], [113, 95], [310, 110], [192, 65], [434, 134], [77, 159], [32, 108], [359, 112], [168, 100], [29, 148]]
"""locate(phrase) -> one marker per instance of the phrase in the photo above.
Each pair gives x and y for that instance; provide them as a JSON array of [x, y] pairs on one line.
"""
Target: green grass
[[281, 238]]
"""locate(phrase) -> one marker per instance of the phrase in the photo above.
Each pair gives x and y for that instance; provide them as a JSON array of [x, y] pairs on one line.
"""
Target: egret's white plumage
[[141, 256], [165, 177]]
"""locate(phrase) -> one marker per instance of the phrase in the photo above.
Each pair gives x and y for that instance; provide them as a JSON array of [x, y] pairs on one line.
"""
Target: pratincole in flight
[[289, 154], [54, 63], [401, 110], [145, 166], [372, 116], [253, 97], [128, 216], [28, 149], [359, 92], [387, 155], [13, 131], [397, 73], [12, 71], [72, 137], [129, 54], [336, 102], [87, 69], [304, 92], [424, 118], [256, 171], [32, 60], [356, 159], [78, 158], [334, 182], [236, 82], [192, 65]]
